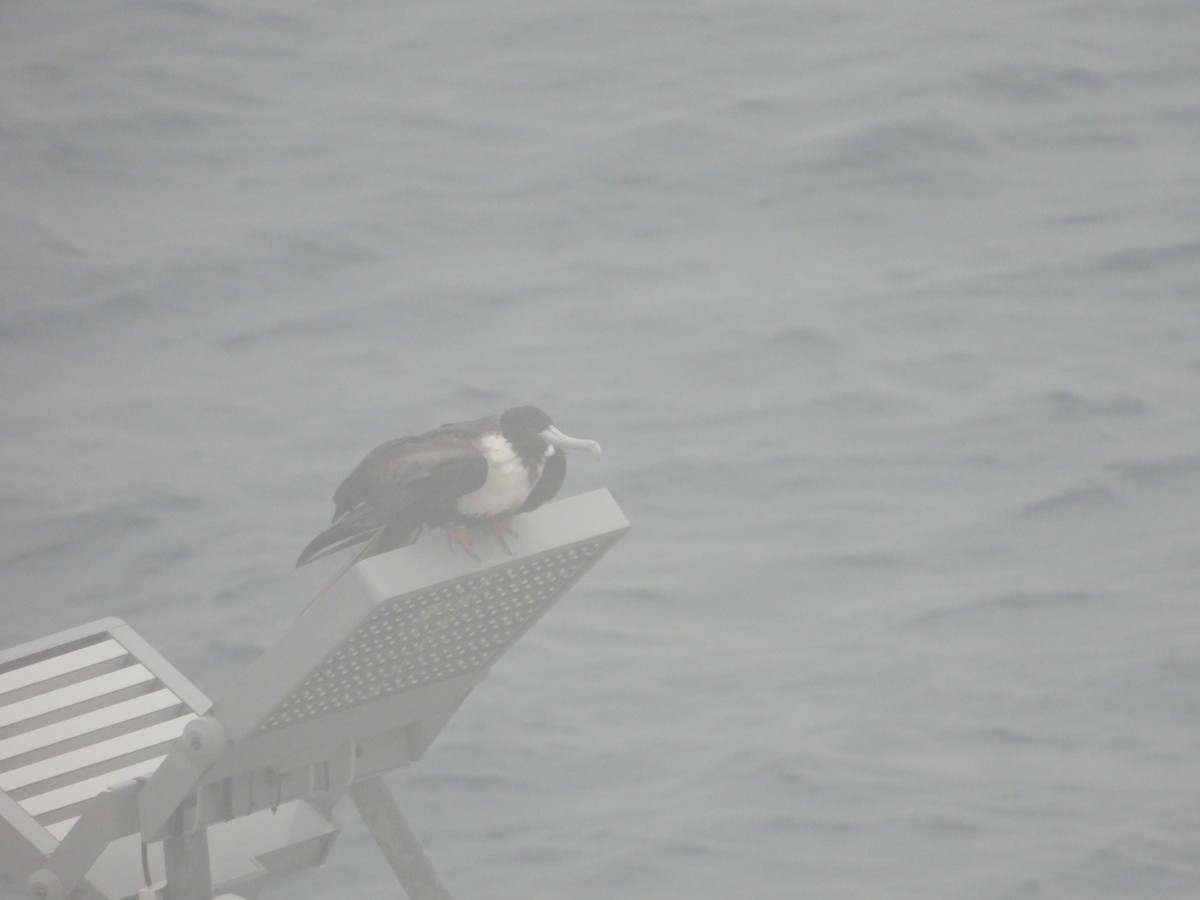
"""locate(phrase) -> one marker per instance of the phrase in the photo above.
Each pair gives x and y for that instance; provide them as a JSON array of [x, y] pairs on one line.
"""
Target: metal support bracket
[[396, 839]]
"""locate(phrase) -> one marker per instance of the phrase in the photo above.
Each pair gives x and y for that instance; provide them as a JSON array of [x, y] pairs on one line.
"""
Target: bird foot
[[458, 537]]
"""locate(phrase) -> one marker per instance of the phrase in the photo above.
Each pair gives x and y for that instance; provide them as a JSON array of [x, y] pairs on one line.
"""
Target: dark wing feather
[[364, 482], [554, 471], [401, 486], [393, 461]]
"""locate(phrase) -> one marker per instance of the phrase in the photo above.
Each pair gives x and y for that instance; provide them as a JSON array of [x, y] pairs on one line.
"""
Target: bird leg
[[500, 528], [458, 537]]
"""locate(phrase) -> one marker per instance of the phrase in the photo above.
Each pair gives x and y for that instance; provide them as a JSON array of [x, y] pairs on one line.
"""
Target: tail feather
[[353, 530], [337, 536]]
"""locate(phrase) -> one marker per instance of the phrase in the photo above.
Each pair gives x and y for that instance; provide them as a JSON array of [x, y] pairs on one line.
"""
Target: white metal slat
[[49, 673], [75, 699], [91, 727], [54, 771], [56, 805]]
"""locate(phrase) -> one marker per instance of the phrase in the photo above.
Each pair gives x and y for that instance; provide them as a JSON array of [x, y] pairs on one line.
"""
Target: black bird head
[[521, 423], [523, 420]]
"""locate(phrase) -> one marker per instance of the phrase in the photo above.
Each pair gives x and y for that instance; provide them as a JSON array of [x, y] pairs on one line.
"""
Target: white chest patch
[[507, 486]]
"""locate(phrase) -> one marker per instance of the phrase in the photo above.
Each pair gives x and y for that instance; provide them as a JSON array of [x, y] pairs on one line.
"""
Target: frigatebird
[[458, 475]]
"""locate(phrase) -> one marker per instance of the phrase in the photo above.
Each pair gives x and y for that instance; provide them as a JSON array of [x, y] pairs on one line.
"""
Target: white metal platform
[[119, 779]]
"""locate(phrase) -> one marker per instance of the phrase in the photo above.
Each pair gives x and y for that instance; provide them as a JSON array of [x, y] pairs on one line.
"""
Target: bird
[[461, 474]]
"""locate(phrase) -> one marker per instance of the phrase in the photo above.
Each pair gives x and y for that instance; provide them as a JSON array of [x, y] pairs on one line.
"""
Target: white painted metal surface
[[101, 739], [86, 712], [78, 718], [90, 728]]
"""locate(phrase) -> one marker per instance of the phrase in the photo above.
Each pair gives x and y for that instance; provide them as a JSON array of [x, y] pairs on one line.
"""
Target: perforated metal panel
[[375, 666], [436, 633]]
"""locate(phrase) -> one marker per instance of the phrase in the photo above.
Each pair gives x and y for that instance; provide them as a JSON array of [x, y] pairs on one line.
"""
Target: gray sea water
[[888, 318]]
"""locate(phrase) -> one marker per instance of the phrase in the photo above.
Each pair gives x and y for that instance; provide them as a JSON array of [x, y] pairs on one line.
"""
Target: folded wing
[[397, 489]]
